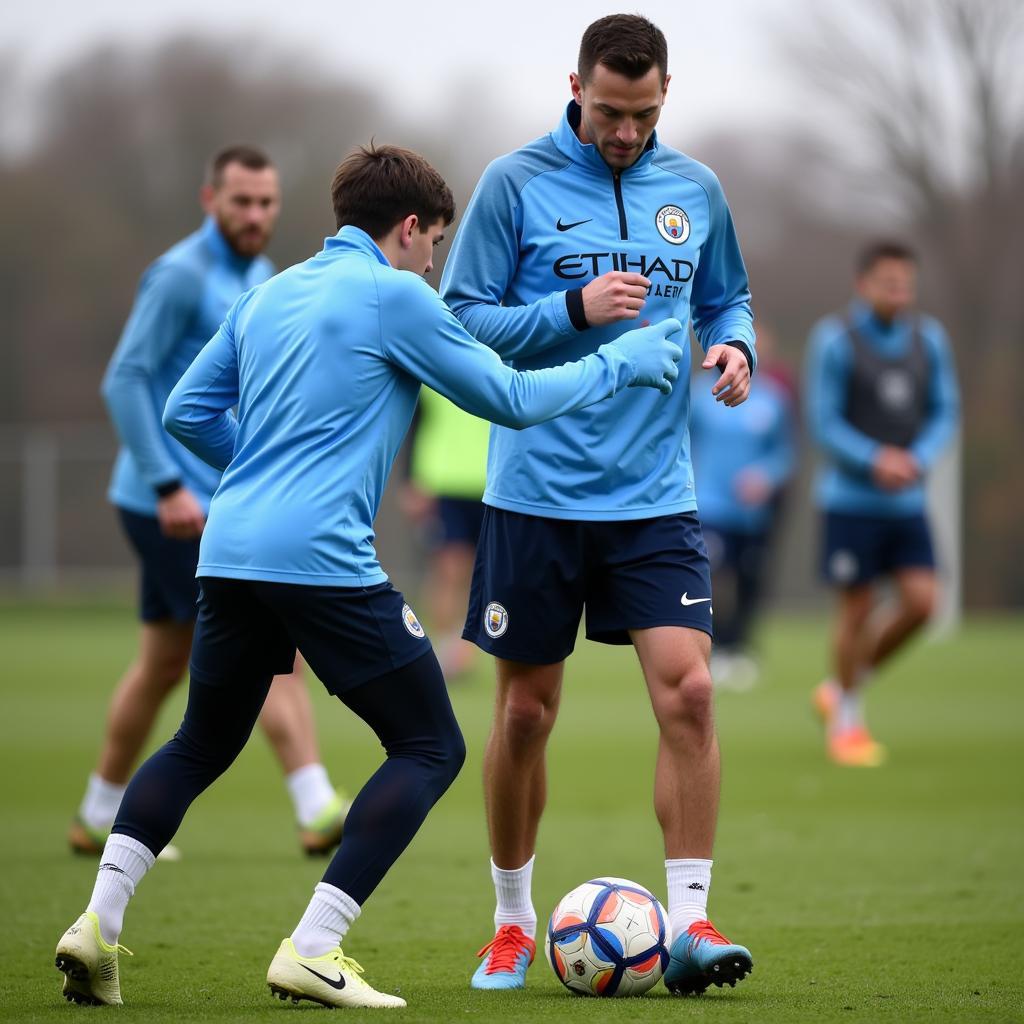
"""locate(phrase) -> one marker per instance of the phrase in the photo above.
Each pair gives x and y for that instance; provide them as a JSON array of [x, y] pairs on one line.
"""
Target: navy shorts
[[347, 635], [858, 549], [534, 576], [168, 588], [459, 520]]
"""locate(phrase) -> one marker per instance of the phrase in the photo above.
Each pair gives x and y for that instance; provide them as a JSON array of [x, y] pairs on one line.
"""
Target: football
[[608, 937]]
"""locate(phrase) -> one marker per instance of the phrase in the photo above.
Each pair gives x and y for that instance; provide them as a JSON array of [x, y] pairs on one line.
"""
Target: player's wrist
[[576, 309], [745, 349], [165, 490]]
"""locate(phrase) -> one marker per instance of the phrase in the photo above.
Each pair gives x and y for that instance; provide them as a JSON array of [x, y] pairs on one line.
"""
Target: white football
[[608, 937]]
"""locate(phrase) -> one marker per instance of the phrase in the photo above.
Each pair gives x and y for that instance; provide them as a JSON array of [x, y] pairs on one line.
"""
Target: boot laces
[[505, 948]]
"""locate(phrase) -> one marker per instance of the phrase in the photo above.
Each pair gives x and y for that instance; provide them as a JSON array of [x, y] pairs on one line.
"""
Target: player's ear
[[206, 198], [577, 87], [409, 226], [664, 88]]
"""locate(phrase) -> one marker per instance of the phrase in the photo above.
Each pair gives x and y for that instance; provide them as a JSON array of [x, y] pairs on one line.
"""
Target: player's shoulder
[[932, 330], [180, 269], [402, 291], [831, 330], [673, 161], [513, 171]]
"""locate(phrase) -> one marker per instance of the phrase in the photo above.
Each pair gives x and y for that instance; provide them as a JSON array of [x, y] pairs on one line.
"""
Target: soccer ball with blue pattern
[[608, 937]]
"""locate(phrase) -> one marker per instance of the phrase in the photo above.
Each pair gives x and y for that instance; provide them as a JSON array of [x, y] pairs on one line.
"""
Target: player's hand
[[895, 468], [614, 296], [653, 358], [733, 386], [753, 487], [416, 504], [180, 515]]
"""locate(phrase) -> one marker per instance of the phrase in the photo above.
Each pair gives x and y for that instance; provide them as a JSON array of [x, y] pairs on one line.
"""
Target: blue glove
[[652, 357]]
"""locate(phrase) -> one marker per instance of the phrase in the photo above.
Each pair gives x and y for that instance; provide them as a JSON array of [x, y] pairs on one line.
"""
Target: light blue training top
[[544, 221], [844, 483], [757, 435], [324, 363], [181, 301]]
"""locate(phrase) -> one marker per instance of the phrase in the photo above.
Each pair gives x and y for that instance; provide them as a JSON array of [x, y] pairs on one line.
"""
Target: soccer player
[[447, 475], [742, 460], [324, 363], [162, 492], [882, 404], [566, 243]]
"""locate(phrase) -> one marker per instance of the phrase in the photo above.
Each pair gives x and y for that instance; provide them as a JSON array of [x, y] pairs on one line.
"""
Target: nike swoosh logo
[[339, 984], [574, 224], [687, 600]]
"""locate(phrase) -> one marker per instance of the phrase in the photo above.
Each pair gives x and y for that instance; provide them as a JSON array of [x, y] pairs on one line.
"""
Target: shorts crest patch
[[495, 620], [843, 566], [412, 624]]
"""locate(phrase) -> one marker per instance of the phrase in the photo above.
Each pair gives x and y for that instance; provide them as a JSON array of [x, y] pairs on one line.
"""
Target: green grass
[[888, 895]]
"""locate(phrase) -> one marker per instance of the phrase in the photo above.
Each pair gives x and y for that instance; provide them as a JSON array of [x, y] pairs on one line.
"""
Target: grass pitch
[[893, 894]]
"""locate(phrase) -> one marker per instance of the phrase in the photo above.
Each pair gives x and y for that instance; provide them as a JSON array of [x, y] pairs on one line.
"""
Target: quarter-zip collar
[[215, 241], [863, 317], [353, 239], [586, 155]]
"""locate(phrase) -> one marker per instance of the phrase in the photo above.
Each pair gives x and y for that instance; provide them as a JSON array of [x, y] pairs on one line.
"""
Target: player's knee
[[455, 754], [527, 717], [920, 603], [690, 703]]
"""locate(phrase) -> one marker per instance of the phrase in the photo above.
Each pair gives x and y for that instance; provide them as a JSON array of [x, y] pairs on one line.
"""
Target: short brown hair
[[628, 44], [375, 187], [248, 156], [883, 249]]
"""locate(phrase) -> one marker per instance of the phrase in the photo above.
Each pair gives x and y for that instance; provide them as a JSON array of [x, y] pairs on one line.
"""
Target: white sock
[[122, 866], [850, 709], [311, 792], [327, 918], [514, 902], [100, 803], [688, 885]]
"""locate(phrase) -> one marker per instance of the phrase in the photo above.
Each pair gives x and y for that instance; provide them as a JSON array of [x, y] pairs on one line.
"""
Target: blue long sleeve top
[[543, 222], [758, 435], [324, 363], [844, 482], [181, 301]]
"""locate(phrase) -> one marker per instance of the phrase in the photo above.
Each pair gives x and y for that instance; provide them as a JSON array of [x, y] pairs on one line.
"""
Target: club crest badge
[[673, 225], [412, 624], [495, 620]]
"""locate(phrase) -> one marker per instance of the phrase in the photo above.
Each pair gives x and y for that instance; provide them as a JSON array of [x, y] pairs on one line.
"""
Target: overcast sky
[[722, 55]]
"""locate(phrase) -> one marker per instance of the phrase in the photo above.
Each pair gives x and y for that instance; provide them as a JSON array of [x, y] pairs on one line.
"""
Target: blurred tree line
[[108, 176]]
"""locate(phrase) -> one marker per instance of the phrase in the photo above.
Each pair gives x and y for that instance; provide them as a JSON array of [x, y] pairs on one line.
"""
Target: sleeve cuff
[[745, 349], [165, 490], [574, 307]]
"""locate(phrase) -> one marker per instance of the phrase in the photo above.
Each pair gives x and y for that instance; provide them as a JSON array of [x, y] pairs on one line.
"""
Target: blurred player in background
[[882, 404], [162, 493], [447, 475], [566, 243], [324, 364], [743, 458]]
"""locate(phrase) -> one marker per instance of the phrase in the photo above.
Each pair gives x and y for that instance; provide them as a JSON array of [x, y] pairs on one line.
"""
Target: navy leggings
[[409, 710]]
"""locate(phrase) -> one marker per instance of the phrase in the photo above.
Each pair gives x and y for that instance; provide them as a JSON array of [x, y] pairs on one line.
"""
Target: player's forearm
[[210, 434], [129, 402], [733, 322], [516, 331], [521, 399], [932, 441]]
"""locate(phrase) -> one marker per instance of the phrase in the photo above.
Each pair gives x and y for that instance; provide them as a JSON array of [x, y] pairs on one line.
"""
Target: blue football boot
[[701, 956], [506, 958]]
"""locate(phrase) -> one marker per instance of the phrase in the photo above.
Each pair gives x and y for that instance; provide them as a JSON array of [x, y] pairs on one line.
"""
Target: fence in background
[[57, 530]]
